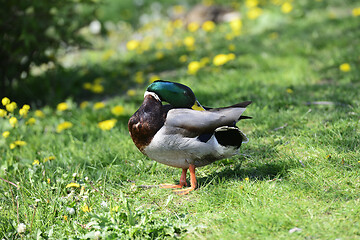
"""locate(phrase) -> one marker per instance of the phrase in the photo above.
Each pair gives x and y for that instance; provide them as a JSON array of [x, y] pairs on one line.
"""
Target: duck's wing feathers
[[197, 122], [240, 105]]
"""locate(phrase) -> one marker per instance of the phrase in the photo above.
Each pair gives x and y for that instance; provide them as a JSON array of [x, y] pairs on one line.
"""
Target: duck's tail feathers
[[230, 136], [241, 105], [245, 117]]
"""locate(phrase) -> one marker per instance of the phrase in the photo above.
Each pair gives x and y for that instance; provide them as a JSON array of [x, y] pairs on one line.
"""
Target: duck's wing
[[241, 105], [238, 105], [194, 122]]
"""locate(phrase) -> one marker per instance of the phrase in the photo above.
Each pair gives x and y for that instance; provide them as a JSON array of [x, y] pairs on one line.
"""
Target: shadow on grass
[[261, 166]]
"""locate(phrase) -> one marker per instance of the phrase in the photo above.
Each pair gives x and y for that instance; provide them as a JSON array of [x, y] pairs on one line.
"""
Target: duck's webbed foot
[[180, 185], [192, 182]]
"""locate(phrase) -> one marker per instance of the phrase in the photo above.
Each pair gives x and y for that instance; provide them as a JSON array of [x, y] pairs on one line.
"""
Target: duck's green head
[[178, 95]]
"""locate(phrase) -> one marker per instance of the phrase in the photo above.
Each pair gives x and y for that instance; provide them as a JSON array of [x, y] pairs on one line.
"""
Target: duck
[[171, 127]]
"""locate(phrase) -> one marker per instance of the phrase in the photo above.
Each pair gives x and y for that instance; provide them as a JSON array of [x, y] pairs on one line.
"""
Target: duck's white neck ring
[[152, 94]]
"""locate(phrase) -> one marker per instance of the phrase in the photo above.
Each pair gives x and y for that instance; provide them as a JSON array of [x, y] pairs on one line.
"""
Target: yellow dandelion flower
[[48, 180], [87, 86], [208, 26], [13, 120], [99, 105], [115, 209], [220, 59], [12, 146], [328, 156], [178, 9], [204, 61], [246, 179], [231, 56], [286, 7], [107, 124], [159, 55], [192, 27], [85, 208], [65, 217], [63, 126], [153, 78], [345, 67], [177, 23], [131, 92], [3, 113], [254, 13], [49, 158], [145, 44], [23, 112], [62, 106], [193, 67], [229, 36], [236, 25], [356, 12], [6, 134], [289, 90], [26, 107], [11, 106], [39, 113], [132, 45], [183, 58], [97, 88], [139, 77], [75, 185], [189, 41], [169, 30], [36, 162], [117, 110], [108, 54], [98, 80], [5, 101], [251, 3], [20, 143], [84, 104]]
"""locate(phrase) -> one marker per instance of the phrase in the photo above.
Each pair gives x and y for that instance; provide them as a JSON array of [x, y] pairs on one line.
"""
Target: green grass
[[299, 170]]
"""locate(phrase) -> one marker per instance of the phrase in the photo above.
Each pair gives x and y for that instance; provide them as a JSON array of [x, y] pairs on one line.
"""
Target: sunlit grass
[[70, 168]]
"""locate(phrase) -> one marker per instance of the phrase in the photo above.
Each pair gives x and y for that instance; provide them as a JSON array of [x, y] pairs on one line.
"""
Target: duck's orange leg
[[180, 185], [193, 182]]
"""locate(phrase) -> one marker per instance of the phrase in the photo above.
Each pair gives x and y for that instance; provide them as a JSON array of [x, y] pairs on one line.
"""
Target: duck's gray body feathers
[[197, 137]]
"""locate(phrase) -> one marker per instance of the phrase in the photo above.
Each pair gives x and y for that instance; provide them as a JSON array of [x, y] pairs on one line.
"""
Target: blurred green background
[[50, 49]]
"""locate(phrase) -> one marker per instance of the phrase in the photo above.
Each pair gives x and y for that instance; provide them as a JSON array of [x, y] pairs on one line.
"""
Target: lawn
[[69, 168]]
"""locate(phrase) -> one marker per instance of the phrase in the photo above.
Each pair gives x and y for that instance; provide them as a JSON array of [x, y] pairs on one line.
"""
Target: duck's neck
[[154, 95]]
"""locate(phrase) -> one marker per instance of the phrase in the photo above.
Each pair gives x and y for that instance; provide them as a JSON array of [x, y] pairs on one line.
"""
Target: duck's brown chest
[[146, 122]]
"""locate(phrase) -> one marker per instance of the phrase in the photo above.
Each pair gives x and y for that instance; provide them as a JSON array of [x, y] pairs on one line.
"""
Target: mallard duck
[[183, 133]]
